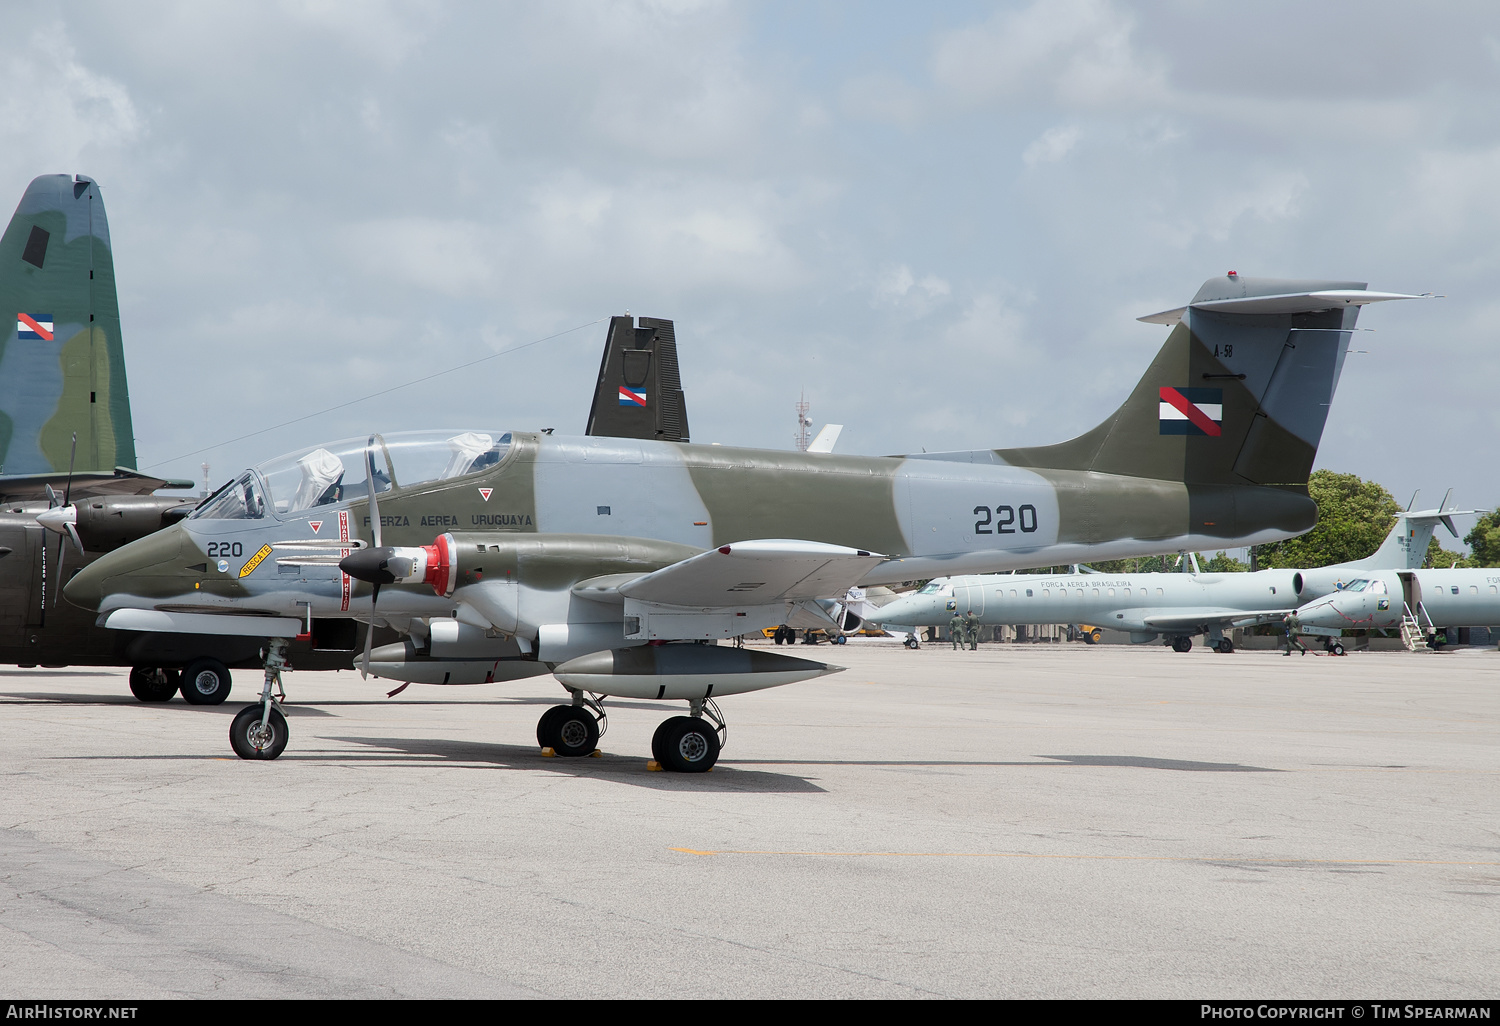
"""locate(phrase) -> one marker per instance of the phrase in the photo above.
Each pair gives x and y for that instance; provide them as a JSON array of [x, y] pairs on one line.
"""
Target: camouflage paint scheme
[[555, 512], [57, 261]]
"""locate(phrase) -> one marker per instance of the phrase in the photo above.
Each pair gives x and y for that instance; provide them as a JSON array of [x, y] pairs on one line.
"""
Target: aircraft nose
[[125, 568]]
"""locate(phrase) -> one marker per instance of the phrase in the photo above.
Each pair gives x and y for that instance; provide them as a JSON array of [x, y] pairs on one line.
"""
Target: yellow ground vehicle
[[1089, 634]]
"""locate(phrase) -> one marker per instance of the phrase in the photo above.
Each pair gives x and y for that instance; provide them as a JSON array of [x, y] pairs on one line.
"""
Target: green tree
[[1484, 540], [1354, 516], [1439, 558], [1223, 563]]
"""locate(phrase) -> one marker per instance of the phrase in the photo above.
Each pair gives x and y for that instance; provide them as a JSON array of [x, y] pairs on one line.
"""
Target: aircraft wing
[[85, 485], [1207, 617], [754, 573]]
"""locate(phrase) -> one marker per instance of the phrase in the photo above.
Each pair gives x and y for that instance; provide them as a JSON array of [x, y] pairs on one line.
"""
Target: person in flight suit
[[956, 631], [971, 629], [1291, 623]]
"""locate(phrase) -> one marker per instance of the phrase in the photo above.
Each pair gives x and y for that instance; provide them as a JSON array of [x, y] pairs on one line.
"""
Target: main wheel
[[686, 744], [546, 727], [151, 684], [252, 741], [1225, 646], [575, 732], [205, 682], [1182, 644]]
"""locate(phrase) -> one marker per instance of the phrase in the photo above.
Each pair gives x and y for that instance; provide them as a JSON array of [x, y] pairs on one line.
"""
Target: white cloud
[[1079, 51], [54, 110], [898, 288], [1052, 146]]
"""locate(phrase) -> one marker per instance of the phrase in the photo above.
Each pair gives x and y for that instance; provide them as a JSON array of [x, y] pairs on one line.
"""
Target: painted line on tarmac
[[1096, 858]]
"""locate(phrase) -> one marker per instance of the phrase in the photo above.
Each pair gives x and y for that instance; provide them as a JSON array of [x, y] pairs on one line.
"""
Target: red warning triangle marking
[[316, 525], [486, 493]]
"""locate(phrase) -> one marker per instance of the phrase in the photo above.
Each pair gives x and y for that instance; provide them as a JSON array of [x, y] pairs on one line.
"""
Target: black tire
[[546, 727], [1182, 644], [839, 640], [1336, 648], [1226, 647], [245, 730], [658, 739], [577, 732], [688, 745], [152, 684], [205, 682], [912, 644]]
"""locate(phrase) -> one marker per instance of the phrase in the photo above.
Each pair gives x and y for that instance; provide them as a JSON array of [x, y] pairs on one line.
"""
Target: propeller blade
[[73, 534], [371, 484], [364, 664], [52, 500], [72, 458], [58, 590]]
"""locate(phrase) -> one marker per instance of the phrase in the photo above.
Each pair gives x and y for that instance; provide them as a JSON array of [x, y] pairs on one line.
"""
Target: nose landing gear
[[259, 731]]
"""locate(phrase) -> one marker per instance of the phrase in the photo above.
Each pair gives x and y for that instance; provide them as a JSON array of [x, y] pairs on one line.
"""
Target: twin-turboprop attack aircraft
[[610, 562]]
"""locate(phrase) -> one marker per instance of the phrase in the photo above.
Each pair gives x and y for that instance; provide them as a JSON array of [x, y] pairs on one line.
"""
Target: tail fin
[[1238, 394], [62, 364], [1405, 548], [639, 394]]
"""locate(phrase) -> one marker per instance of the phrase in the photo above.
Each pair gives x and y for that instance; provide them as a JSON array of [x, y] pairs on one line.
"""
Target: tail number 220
[[1005, 519]]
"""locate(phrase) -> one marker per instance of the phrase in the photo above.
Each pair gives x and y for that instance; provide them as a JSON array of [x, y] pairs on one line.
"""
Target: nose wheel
[[259, 731]]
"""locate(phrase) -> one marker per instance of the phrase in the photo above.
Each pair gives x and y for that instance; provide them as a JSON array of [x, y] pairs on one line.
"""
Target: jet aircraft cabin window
[[240, 500], [421, 457], [1377, 587], [323, 475]]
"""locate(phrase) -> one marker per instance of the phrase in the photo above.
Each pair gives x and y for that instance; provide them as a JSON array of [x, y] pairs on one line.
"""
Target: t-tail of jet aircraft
[[503, 554]]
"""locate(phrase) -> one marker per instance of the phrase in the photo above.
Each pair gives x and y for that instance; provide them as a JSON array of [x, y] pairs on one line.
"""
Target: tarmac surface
[[1021, 821]]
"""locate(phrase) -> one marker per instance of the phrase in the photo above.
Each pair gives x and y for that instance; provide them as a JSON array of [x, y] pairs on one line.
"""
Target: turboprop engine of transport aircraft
[[507, 554], [1173, 607]]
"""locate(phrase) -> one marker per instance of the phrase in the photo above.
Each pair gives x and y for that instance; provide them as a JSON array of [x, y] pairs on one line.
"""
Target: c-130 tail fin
[[1238, 394], [62, 363]]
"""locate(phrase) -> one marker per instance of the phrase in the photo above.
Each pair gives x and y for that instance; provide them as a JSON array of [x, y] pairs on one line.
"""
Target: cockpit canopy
[[940, 586], [1376, 587], [340, 471]]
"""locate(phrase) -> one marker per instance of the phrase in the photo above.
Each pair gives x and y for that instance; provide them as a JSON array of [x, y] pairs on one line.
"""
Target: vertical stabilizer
[[62, 363], [639, 394], [1405, 548]]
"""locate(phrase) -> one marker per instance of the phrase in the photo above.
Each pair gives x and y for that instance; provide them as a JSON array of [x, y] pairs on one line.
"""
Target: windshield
[[340, 471], [934, 587], [1358, 585]]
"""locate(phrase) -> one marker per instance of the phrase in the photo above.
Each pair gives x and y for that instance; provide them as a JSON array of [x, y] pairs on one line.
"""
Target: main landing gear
[[691, 744], [682, 744], [1223, 646], [1182, 643], [153, 683], [259, 731], [572, 731]]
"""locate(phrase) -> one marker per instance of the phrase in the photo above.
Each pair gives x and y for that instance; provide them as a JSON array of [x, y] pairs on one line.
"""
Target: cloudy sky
[[940, 221]]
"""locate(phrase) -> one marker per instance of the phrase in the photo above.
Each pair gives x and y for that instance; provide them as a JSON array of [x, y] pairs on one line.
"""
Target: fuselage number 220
[[1005, 519]]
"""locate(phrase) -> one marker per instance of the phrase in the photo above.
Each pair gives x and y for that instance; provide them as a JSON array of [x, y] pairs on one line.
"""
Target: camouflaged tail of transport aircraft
[[503, 554]]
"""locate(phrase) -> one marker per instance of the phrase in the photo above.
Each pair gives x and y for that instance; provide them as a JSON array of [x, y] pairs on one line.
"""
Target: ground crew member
[[1292, 624], [971, 628], [956, 631]]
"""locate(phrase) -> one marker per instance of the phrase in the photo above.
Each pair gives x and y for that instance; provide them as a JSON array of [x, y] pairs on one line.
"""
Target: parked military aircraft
[[1421, 603], [1171, 606], [504, 554], [68, 466]]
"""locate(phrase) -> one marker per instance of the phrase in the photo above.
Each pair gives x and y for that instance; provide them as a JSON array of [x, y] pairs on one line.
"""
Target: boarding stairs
[[1413, 634]]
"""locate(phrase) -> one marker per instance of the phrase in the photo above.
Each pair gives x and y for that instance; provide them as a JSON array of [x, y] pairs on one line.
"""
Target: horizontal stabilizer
[[85, 484], [1285, 303]]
